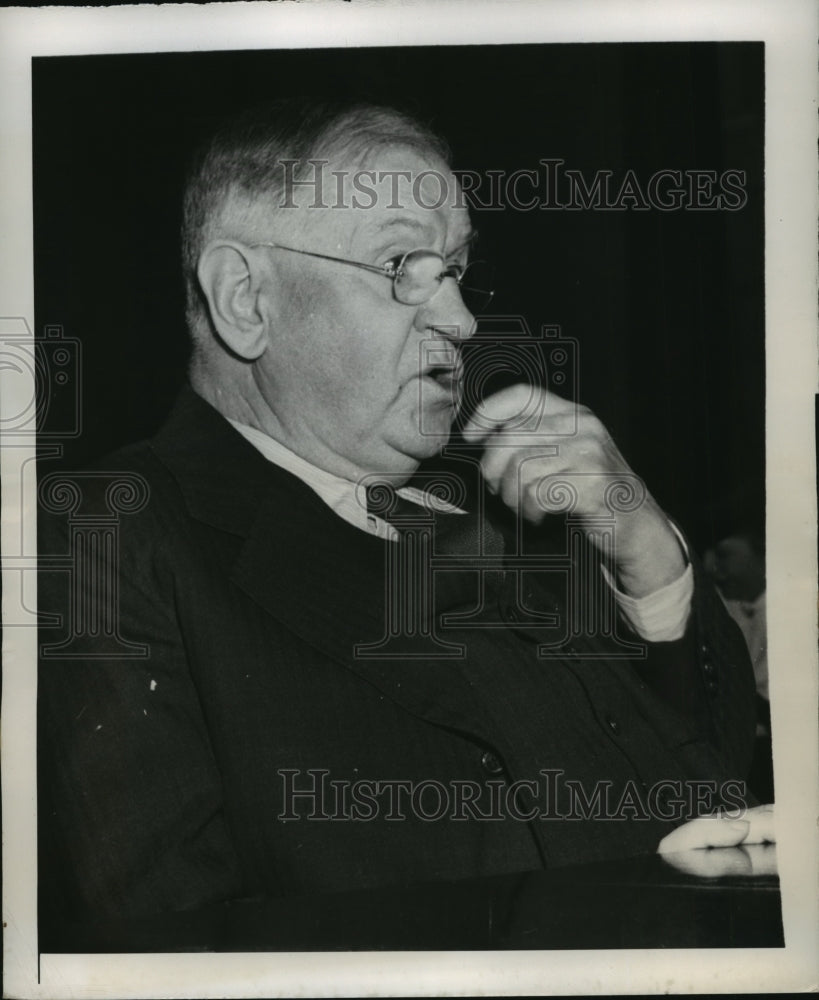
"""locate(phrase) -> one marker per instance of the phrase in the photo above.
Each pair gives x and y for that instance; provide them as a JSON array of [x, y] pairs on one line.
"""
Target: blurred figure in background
[[736, 563]]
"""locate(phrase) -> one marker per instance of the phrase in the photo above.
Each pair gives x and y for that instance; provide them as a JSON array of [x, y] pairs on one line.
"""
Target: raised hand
[[521, 466]]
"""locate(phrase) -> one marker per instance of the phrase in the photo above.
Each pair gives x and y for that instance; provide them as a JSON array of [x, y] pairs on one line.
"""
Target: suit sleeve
[[131, 819], [707, 676]]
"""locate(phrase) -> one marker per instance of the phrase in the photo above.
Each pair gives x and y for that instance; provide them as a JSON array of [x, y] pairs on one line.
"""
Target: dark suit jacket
[[161, 775]]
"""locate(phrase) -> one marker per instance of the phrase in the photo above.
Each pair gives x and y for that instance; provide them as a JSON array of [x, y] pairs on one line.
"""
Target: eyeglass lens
[[419, 280]]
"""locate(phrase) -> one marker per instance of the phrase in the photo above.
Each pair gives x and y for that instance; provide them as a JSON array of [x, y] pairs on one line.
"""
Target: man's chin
[[429, 444], [409, 453]]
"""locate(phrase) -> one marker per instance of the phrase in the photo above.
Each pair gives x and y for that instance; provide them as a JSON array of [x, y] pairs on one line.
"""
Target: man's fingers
[[755, 827], [761, 825], [707, 831], [712, 864], [502, 456], [500, 470], [494, 463], [519, 479], [756, 860], [496, 410], [516, 406]]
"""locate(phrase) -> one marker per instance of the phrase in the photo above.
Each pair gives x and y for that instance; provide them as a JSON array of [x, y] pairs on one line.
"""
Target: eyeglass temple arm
[[373, 268], [324, 256]]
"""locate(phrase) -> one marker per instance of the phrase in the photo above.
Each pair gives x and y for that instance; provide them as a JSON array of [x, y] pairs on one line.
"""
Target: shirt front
[[657, 617]]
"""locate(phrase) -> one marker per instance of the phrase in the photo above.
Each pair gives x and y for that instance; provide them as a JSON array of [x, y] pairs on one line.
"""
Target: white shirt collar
[[658, 617], [344, 497]]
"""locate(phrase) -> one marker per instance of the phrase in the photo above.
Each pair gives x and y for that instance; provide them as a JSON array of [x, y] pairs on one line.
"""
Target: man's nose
[[446, 313]]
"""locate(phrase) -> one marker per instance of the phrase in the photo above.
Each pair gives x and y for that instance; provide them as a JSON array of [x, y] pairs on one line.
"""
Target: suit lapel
[[327, 582], [319, 576]]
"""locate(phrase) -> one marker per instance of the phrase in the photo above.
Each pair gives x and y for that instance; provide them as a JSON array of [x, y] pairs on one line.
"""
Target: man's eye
[[393, 264]]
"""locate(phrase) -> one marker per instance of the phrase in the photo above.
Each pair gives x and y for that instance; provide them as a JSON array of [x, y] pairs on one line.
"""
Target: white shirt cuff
[[663, 615]]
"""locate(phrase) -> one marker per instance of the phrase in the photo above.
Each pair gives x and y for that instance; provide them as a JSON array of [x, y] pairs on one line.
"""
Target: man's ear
[[229, 281]]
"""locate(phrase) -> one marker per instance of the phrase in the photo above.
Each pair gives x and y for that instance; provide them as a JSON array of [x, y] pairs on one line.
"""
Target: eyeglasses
[[416, 276]]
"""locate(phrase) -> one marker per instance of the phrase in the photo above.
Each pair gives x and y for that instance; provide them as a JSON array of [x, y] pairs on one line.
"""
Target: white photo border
[[789, 30]]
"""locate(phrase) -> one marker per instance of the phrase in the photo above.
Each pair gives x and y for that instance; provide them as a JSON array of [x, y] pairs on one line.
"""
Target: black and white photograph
[[409, 508]]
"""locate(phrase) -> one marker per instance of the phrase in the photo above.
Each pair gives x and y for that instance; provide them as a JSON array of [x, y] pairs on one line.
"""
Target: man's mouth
[[445, 368], [446, 376]]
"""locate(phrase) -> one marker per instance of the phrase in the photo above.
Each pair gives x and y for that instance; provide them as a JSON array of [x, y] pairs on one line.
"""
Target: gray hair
[[246, 156]]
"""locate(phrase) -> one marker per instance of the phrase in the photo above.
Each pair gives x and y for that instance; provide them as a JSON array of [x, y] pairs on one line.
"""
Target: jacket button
[[491, 763], [712, 686], [708, 668]]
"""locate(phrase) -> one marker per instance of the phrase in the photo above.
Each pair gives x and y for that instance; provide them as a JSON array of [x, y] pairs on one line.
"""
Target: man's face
[[357, 381]]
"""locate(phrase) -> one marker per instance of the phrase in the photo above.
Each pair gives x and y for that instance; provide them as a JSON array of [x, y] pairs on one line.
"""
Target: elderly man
[[275, 731]]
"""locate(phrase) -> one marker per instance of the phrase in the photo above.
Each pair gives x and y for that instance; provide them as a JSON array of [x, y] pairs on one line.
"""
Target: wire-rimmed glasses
[[417, 275]]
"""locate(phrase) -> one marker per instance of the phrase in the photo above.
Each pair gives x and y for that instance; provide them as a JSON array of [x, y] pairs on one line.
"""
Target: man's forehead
[[392, 191], [456, 228], [440, 229], [373, 229]]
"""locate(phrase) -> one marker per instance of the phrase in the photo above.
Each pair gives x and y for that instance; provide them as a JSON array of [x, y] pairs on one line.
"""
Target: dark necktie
[[467, 537], [455, 533]]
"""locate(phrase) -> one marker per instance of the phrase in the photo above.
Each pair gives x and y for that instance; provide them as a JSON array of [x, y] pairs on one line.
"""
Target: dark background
[[667, 307]]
